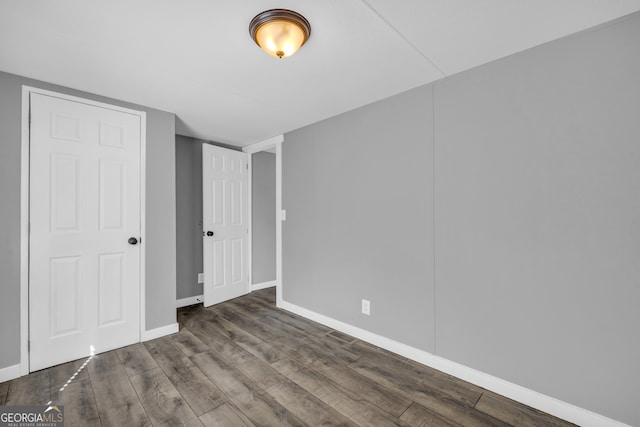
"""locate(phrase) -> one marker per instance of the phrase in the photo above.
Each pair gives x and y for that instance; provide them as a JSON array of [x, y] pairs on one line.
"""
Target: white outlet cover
[[366, 307], [200, 277], [283, 215]]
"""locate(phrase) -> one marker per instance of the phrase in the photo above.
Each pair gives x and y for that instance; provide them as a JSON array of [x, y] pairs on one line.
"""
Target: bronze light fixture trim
[[280, 32]]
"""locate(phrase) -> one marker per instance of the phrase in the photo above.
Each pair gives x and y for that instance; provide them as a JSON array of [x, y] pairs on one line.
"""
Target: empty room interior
[[356, 212]]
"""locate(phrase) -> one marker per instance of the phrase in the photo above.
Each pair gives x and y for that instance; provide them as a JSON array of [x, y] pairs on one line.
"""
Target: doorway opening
[[266, 215], [263, 219]]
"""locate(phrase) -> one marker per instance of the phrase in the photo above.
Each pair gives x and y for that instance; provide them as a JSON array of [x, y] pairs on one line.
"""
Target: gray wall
[[536, 206], [160, 221], [263, 207], [188, 216], [537, 219], [358, 191], [10, 143]]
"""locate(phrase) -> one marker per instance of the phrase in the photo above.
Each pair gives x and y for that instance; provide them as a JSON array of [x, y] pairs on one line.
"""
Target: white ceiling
[[195, 57]]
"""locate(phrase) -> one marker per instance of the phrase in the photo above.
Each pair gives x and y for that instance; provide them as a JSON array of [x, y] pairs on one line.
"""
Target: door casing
[[275, 142], [24, 212]]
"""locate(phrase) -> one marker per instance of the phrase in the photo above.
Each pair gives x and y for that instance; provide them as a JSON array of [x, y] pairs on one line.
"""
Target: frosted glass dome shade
[[280, 32]]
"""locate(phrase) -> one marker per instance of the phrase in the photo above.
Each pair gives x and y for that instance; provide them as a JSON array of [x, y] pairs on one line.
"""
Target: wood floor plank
[[416, 376], [67, 373], [307, 407], [357, 410], [118, 402], [260, 372], [343, 337], [244, 339], [4, 388], [250, 305], [301, 353], [385, 398], [419, 416], [279, 333], [250, 325], [188, 343], [33, 389], [326, 346], [136, 359], [277, 324], [201, 394], [312, 328], [267, 295], [288, 323], [332, 345], [71, 387], [254, 402], [163, 403], [251, 308], [374, 353], [456, 387], [309, 327], [185, 314], [434, 400], [515, 413], [226, 415], [306, 351]]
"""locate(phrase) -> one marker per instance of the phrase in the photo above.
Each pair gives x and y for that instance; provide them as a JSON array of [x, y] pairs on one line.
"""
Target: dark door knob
[[209, 233], [132, 241]]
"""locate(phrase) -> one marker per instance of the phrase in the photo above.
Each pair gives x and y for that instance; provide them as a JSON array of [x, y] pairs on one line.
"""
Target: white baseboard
[[9, 373], [513, 391], [159, 332], [189, 301], [263, 285]]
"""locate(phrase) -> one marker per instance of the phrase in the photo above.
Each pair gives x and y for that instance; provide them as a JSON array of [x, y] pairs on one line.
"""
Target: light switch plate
[[283, 215], [200, 277]]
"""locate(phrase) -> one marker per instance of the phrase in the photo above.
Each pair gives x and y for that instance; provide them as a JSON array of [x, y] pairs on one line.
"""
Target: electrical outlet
[[200, 277], [283, 215], [366, 307]]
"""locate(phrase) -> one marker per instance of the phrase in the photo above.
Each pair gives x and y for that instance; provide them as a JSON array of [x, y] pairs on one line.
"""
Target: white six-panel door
[[225, 216], [84, 275]]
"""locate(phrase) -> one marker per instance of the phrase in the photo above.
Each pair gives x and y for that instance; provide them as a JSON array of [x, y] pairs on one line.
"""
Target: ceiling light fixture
[[280, 32]]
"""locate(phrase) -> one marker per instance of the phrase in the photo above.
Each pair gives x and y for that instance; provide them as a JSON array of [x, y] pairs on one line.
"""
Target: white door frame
[[24, 211], [275, 142]]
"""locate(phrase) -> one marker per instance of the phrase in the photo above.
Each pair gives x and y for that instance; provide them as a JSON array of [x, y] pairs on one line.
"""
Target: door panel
[[64, 192], [224, 174], [65, 295], [111, 288], [111, 189], [84, 278]]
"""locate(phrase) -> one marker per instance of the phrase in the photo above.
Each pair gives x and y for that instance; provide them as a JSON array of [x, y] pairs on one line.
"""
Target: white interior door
[[84, 275], [225, 224]]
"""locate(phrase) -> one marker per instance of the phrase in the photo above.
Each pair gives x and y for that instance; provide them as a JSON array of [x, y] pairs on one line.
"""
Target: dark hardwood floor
[[246, 363]]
